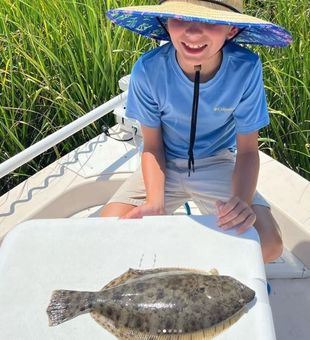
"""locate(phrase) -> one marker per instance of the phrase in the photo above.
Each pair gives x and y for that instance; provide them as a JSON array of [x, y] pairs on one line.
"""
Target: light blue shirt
[[233, 101]]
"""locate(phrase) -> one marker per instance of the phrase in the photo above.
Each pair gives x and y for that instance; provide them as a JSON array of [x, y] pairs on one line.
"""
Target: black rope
[[105, 130], [163, 26], [191, 164]]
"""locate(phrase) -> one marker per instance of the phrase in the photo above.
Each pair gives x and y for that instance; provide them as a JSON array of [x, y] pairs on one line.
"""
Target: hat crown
[[150, 20], [224, 5]]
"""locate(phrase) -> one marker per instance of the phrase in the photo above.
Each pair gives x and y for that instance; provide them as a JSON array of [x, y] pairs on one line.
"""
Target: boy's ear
[[232, 32]]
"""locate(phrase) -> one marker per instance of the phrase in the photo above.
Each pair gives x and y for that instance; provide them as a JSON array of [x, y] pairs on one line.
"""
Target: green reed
[[60, 59], [287, 83]]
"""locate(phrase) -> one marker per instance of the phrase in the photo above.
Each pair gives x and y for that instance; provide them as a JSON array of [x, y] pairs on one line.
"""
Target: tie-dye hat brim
[[150, 21]]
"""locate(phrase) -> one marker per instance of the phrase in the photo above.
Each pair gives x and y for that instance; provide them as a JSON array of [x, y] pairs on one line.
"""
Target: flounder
[[161, 303]]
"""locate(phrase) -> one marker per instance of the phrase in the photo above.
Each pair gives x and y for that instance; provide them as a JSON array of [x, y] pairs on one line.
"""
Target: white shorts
[[210, 181]]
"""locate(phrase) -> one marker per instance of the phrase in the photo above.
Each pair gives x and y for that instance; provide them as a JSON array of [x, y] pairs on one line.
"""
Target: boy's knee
[[272, 250], [272, 243], [269, 233], [116, 209]]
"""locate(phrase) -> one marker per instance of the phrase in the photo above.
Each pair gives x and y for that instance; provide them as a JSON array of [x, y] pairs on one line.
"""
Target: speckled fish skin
[[165, 302]]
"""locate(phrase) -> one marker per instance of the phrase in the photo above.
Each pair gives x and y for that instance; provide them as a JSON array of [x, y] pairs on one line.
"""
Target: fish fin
[[131, 274], [213, 271], [67, 304], [121, 333], [200, 335], [140, 272], [125, 333], [217, 329], [106, 323]]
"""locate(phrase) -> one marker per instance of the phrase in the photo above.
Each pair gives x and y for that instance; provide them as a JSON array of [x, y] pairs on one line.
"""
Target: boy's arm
[[237, 211], [247, 167], [153, 169]]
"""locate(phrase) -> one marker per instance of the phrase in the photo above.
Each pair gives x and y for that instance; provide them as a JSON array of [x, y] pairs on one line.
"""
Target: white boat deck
[[82, 181]]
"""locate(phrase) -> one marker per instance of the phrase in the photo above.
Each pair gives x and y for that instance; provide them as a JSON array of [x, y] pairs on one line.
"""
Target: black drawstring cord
[[191, 165], [163, 26]]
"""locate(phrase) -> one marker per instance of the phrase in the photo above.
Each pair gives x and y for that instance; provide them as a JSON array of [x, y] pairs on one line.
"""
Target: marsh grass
[[59, 59], [287, 83]]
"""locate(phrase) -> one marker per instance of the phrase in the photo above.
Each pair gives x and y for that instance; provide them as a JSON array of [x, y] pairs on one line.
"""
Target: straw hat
[[150, 21]]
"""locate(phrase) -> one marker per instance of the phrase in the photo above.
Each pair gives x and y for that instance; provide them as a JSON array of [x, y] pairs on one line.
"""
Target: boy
[[192, 156]]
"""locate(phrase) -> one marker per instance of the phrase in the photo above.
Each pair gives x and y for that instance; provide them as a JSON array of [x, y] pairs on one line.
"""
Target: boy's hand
[[235, 213], [145, 209]]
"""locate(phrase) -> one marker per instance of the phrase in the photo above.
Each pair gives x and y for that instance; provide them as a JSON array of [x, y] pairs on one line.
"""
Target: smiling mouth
[[194, 48]]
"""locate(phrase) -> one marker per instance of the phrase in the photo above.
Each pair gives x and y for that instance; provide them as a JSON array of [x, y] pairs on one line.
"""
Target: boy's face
[[198, 43]]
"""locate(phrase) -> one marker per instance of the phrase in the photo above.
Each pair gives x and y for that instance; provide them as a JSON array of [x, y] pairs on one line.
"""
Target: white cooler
[[39, 256]]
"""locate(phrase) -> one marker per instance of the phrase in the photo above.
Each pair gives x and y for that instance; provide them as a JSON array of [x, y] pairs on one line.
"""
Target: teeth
[[194, 46]]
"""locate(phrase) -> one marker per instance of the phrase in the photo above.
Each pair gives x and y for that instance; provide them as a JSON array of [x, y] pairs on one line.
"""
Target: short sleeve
[[251, 114], [140, 103]]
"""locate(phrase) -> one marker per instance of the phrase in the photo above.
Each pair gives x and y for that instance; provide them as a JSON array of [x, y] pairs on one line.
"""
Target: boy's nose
[[194, 28]]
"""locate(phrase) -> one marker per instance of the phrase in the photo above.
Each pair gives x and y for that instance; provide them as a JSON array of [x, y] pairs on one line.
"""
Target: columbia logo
[[223, 109]]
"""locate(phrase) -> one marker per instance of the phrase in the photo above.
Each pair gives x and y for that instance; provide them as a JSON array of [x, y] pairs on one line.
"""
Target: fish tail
[[67, 304]]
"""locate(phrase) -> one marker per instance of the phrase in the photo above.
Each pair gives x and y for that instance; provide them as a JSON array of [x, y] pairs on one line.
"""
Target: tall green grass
[[287, 83], [59, 59]]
